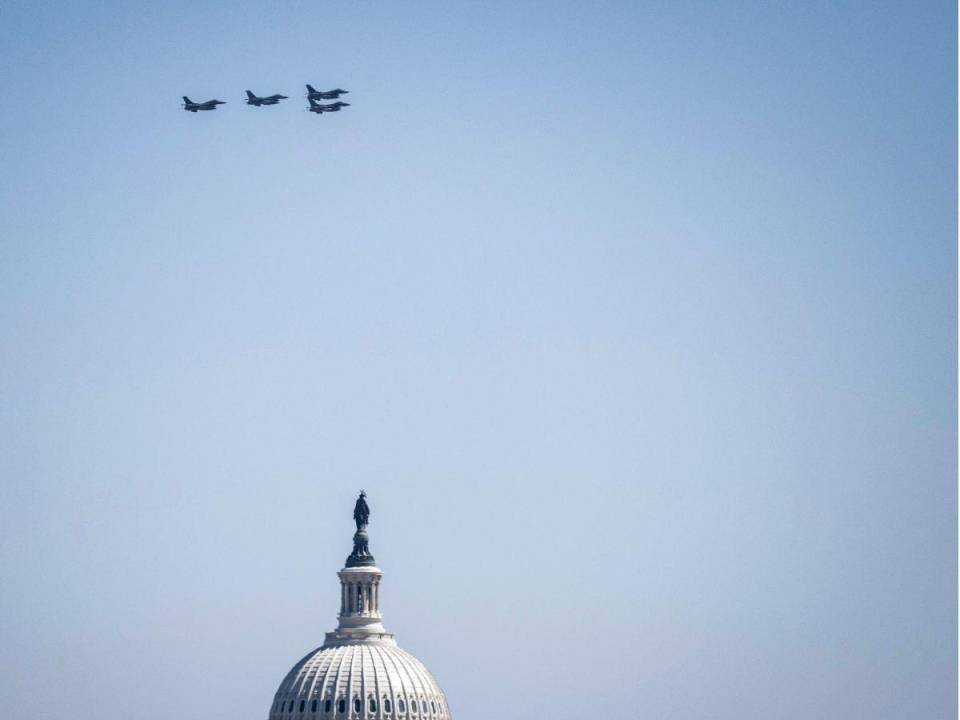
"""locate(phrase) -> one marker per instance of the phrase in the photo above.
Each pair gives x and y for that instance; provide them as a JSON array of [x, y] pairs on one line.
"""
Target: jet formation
[[313, 96]]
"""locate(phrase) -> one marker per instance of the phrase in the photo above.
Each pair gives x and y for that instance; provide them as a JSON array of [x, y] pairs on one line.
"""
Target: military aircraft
[[314, 94], [191, 106], [319, 108], [269, 100]]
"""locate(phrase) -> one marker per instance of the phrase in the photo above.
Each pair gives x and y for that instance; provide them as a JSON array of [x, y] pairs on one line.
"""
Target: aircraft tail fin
[[187, 100], [310, 88], [250, 95]]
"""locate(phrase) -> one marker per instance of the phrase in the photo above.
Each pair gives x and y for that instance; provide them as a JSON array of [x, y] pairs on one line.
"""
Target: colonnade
[[360, 598]]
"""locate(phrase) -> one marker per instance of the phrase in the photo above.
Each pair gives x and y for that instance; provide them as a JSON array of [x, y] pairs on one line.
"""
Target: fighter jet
[[191, 106], [258, 101], [318, 108], [314, 94]]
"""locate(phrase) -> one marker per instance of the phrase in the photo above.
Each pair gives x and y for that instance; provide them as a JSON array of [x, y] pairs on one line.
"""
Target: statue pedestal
[[361, 557]]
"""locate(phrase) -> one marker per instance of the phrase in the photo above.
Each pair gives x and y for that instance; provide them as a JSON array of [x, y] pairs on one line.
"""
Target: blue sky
[[636, 321]]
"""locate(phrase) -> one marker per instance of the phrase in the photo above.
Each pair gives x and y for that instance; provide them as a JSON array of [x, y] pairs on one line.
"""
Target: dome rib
[[325, 691], [313, 680], [375, 693], [392, 660], [387, 675], [411, 680]]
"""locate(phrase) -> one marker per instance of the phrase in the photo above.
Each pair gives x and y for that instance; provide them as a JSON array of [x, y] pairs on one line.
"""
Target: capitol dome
[[359, 671]]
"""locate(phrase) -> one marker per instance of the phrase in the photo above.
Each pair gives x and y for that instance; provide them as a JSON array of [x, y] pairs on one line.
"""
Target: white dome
[[359, 673], [359, 681]]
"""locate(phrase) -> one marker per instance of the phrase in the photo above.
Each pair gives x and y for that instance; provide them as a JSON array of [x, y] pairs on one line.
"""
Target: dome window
[[290, 709], [327, 705], [303, 705], [433, 706], [423, 704], [372, 704], [341, 706], [386, 705], [357, 705], [401, 705], [313, 706]]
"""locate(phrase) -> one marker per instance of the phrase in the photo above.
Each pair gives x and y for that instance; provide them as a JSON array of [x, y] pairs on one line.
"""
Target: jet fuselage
[[325, 94], [268, 100], [193, 107]]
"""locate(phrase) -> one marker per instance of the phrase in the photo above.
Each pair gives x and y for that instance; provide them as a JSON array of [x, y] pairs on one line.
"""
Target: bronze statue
[[361, 513], [361, 557]]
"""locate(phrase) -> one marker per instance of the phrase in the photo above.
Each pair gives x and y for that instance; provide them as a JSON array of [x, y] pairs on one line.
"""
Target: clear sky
[[637, 322]]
